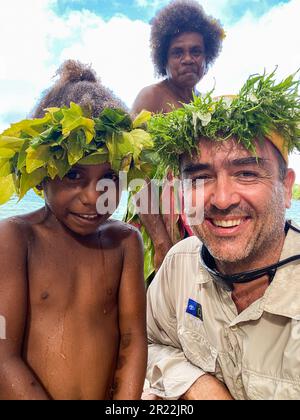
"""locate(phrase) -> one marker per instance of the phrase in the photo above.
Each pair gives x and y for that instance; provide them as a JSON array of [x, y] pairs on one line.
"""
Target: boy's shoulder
[[15, 229]]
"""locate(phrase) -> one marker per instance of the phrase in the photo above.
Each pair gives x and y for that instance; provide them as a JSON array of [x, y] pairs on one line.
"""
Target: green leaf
[[31, 128], [96, 158], [12, 143], [37, 158], [29, 181], [148, 254], [22, 155], [52, 169], [140, 140], [6, 153], [7, 189], [74, 120], [75, 151], [5, 167], [142, 118], [63, 167], [119, 146]]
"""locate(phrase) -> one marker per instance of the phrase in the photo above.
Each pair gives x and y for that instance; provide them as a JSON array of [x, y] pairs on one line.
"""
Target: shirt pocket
[[198, 350], [262, 387]]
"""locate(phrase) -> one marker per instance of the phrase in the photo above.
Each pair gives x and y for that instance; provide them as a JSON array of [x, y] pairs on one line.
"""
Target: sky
[[36, 36]]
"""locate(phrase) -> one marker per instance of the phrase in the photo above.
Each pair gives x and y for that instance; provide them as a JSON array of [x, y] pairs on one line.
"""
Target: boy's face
[[73, 200]]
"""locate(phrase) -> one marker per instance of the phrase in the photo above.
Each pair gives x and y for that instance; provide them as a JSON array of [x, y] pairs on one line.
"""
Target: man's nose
[[224, 194]]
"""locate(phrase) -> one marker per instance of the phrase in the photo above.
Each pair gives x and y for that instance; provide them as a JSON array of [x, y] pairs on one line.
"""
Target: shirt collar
[[283, 295]]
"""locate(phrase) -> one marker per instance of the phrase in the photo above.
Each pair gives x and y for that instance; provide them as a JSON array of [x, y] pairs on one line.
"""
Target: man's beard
[[268, 229]]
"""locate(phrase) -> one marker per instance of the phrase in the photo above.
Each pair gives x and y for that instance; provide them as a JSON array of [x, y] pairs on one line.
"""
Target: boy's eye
[[73, 175], [112, 176]]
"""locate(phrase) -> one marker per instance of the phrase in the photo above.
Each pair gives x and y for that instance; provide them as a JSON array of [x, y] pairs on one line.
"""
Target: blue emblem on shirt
[[195, 309]]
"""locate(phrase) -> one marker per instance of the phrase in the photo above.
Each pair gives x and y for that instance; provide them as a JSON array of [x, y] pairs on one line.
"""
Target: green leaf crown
[[261, 108], [36, 149]]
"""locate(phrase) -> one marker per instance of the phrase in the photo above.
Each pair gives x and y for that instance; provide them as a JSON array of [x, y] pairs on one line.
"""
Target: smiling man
[[223, 307]]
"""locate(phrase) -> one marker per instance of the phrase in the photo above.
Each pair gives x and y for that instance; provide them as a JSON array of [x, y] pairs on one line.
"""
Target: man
[[223, 310]]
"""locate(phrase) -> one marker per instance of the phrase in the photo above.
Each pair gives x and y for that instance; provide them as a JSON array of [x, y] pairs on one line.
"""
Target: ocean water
[[32, 202]]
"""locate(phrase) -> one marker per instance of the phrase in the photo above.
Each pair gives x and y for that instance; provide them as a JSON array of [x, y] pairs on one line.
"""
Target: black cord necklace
[[227, 281]]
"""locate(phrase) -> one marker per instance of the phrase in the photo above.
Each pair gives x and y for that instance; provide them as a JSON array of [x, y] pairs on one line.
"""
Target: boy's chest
[[82, 276]]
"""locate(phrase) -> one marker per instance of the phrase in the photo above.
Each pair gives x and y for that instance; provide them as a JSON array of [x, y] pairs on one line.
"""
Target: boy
[[71, 284]]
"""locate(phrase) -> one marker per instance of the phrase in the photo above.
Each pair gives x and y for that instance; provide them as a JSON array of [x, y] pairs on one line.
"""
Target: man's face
[[244, 199], [73, 200], [186, 59]]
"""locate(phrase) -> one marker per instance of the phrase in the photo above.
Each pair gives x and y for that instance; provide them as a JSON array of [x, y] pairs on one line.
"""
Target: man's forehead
[[210, 151]]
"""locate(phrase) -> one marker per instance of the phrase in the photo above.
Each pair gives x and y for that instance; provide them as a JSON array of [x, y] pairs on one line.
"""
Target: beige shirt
[[255, 353]]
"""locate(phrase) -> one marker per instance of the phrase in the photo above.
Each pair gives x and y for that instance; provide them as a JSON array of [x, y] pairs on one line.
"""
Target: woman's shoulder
[[149, 98]]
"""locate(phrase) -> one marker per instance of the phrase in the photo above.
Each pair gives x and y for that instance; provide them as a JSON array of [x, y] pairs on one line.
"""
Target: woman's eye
[[176, 53], [197, 52], [73, 175]]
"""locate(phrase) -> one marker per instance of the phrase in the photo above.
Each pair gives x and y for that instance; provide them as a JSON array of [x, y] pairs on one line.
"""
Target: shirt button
[[234, 328], [239, 383]]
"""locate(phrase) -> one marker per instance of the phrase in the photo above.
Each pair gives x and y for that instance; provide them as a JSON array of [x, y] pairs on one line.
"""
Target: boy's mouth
[[88, 217]]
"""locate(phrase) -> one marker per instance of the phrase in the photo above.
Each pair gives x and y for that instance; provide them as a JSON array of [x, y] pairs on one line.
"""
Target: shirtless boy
[[71, 284]]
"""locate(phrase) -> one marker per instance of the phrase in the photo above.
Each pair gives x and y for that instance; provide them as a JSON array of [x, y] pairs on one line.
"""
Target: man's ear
[[289, 182]]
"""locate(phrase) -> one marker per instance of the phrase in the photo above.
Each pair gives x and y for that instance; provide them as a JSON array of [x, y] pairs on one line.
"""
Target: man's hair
[[77, 83], [178, 17], [282, 165]]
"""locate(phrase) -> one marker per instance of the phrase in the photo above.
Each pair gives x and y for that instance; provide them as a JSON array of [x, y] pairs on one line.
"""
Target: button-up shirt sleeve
[[169, 372]]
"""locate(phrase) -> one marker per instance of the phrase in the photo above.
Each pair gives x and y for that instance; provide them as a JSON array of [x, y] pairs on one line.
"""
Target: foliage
[[34, 150], [296, 192], [261, 108]]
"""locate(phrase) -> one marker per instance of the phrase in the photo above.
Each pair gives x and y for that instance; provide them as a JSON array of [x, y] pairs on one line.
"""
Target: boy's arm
[[17, 382], [132, 360]]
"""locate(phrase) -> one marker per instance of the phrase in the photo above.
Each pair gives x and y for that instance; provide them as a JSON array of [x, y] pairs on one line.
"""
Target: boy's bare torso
[[72, 335]]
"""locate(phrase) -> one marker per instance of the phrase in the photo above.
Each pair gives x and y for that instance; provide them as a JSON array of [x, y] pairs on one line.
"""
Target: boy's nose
[[89, 195]]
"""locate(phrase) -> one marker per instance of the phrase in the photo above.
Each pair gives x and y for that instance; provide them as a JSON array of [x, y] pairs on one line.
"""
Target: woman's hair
[[78, 83], [178, 17]]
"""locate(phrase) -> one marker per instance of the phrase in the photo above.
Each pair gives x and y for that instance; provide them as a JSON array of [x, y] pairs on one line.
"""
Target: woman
[[184, 43]]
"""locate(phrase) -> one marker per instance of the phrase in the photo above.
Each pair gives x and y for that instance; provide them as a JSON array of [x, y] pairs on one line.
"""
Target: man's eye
[[247, 174], [73, 175], [200, 178]]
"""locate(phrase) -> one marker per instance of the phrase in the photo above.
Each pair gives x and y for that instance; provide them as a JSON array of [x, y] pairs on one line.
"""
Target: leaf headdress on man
[[263, 109]]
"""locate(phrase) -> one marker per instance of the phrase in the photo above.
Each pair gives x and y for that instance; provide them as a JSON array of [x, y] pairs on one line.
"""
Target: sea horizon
[[32, 202]]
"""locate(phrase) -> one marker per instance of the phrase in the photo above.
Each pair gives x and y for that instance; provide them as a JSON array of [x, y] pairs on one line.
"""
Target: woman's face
[[186, 59]]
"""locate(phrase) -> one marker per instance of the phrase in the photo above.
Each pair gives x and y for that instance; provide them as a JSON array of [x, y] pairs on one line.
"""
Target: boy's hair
[[78, 83], [178, 17]]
